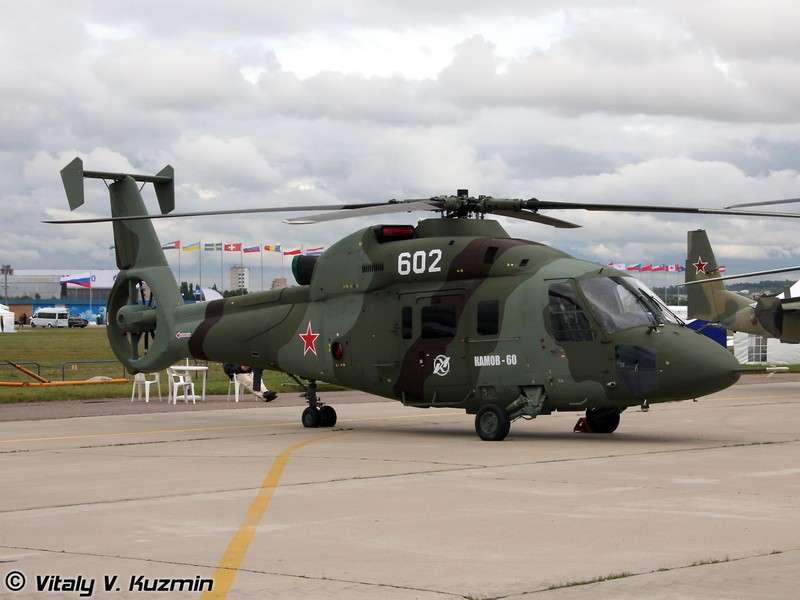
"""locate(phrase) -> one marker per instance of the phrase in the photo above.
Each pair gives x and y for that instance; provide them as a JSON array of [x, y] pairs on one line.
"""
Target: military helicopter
[[451, 312], [708, 298]]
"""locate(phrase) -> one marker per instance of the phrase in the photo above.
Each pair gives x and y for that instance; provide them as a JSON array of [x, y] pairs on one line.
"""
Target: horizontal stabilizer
[[73, 175]]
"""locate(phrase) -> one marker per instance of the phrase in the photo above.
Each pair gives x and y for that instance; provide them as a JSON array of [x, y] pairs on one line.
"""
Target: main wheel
[[310, 417], [603, 420], [327, 416], [492, 423]]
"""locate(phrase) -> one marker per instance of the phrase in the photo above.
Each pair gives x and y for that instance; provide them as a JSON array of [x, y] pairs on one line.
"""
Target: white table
[[189, 370]]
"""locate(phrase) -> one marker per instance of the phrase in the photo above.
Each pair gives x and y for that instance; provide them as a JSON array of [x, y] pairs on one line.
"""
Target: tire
[[492, 423], [603, 420], [327, 416], [310, 417]]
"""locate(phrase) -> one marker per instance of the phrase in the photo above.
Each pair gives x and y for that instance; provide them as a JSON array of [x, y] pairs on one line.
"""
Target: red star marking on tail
[[700, 265], [309, 340]]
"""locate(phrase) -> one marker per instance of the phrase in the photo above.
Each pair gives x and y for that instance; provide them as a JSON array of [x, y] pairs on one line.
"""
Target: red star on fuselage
[[700, 265], [309, 340]]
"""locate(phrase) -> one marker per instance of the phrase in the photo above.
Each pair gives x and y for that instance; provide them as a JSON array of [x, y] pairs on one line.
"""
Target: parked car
[[77, 321]]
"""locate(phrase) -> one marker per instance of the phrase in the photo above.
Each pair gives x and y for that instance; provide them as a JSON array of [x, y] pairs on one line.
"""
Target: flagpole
[[179, 264], [201, 249], [261, 256], [221, 284]]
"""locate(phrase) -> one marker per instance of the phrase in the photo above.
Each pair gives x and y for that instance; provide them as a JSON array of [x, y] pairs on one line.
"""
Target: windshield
[[623, 302], [663, 311]]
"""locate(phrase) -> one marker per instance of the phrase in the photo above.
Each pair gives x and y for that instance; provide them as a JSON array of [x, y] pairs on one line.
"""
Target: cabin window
[[406, 323], [439, 321], [488, 317], [636, 368], [567, 316]]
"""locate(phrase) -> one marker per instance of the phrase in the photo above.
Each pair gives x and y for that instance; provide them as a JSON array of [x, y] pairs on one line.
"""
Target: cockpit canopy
[[616, 303]]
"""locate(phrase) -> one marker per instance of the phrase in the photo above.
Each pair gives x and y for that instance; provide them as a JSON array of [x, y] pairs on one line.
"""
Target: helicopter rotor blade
[[767, 203], [211, 213], [393, 206], [534, 204], [536, 218]]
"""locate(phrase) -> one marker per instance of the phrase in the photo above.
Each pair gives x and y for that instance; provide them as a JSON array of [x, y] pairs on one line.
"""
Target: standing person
[[251, 380]]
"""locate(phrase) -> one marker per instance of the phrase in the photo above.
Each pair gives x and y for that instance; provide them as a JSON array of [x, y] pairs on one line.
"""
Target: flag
[[672, 268], [647, 268], [293, 252], [215, 247], [233, 247], [252, 249], [272, 248], [635, 267], [618, 266], [659, 267], [81, 280], [176, 245], [721, 268], [315, 251], [194, 246]]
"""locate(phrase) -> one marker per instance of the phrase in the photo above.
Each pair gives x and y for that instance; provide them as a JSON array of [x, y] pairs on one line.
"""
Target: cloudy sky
[[680, 103]]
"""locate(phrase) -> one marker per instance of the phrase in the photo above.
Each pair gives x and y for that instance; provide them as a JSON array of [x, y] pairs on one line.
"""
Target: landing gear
[[492, 423], [602, 420], [316, 414]]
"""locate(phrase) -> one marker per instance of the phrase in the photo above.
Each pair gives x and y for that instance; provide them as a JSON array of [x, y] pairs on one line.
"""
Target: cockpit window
[[622, 302], [662, 309], [567, 316]]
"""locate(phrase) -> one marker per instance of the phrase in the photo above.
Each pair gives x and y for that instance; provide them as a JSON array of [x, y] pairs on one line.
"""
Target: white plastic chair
[[140, 381], [237, 387], [178, 382]]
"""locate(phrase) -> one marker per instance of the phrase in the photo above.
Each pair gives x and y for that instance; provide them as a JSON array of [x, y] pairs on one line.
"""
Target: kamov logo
[[441, 365]]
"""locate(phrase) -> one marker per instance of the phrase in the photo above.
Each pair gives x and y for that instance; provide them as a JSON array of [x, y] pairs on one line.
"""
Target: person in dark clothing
[[251, 380]]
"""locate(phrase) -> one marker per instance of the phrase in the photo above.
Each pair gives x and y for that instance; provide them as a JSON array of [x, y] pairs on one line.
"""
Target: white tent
[[752, 349], [6, 320]]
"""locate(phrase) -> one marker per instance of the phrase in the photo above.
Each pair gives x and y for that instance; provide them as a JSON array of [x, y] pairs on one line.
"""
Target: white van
[[50, 317]]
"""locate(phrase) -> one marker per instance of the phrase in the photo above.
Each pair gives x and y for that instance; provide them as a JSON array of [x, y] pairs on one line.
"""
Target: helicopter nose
[[696, 365]]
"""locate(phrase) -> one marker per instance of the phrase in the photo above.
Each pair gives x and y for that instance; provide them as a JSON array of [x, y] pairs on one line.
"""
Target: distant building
[[61, 285], [240, 278]]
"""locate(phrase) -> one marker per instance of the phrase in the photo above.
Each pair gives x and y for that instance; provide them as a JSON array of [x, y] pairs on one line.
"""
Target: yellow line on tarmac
[[231, 560]]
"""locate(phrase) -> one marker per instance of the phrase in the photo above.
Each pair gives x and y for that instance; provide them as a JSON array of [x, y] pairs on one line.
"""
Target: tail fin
[[140, 260], [712, 301]]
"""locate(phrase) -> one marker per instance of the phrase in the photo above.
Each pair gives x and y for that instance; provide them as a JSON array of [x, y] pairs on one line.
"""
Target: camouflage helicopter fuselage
[[454, 314], [451, 313]]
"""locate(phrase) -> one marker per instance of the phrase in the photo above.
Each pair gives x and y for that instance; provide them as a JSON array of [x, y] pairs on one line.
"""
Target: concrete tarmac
[[688, 500]]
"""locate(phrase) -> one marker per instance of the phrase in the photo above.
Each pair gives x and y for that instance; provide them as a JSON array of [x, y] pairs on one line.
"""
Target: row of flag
[[239, 247], [651, 268]]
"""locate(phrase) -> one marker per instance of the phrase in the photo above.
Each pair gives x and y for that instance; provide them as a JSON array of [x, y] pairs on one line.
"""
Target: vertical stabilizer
[[712, 301]]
